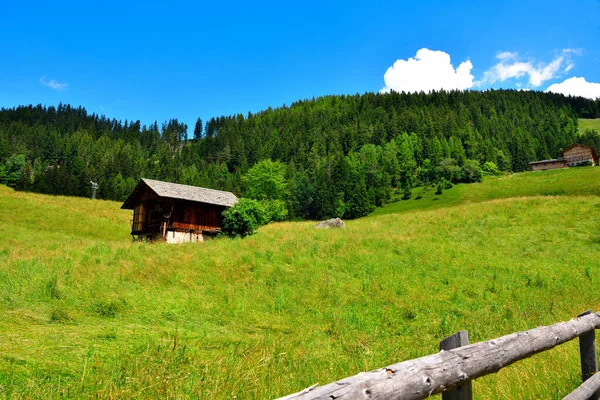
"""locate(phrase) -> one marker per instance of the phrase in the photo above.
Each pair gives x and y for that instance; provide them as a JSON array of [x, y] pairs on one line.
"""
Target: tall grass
[[85, 312]]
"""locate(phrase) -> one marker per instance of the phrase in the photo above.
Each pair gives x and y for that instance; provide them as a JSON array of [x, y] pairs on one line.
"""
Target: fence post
[[464, 391], [587, 352]]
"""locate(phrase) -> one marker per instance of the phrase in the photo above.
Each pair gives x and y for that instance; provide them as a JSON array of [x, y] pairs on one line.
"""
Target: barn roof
[[181, 192], [548, 161]]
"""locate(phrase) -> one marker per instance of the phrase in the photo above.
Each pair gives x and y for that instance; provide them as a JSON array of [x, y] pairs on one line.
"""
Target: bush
[[247, 215], [471, 172], [275, 210], [443, 184], [490, 168], [449, 170], [244, 218]]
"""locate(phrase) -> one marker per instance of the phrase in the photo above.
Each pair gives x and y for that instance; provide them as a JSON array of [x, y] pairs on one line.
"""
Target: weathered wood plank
[[589, 358], [587, 389], [464, 391], [422, 377], [459, 339]]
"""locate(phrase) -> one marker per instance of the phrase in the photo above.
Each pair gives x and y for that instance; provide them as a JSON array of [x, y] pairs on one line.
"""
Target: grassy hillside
[[84, 312], [558, 182], [589, 124]]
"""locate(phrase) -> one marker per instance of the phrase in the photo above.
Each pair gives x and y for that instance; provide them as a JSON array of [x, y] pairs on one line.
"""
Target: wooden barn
[[176, 213], [574, 155], [547, 164], [578, 154]]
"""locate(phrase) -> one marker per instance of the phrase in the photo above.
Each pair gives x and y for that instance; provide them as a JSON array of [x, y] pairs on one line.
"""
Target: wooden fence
[[451, 371]]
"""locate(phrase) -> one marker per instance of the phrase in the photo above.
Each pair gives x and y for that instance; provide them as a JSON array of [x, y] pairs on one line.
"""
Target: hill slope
[[558, 182], [343, 155], [585, 124], [86, 312]]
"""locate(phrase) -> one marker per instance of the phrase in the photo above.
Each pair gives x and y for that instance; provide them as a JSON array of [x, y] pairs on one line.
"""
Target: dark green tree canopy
[[323, 157]]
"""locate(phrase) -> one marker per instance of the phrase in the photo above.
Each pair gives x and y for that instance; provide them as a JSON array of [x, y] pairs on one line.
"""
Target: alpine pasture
[[86, 312], [586, 124]]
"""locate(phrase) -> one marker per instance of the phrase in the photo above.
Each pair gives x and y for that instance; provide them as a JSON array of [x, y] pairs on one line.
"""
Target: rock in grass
[[331, 223]]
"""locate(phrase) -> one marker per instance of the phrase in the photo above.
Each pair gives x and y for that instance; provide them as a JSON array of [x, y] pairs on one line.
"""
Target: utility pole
[[94, 188]]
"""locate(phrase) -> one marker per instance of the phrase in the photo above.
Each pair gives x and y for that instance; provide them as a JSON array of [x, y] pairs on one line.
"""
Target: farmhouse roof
[[581, 145], [181, 192], [547, 161]]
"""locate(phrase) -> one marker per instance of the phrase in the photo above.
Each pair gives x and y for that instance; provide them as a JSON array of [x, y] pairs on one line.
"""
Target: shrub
[[471, 172], [247, 215], [490, 168], [244, 218], [440, 188], [442, 184], [449, 170], [275, 210]]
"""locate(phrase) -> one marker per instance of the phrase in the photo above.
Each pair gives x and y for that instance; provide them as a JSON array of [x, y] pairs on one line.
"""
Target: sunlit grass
[[85, 312], [585, 124], [581, 181]]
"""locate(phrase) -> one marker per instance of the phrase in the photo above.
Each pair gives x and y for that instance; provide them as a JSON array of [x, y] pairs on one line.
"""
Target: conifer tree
[[198, 129]]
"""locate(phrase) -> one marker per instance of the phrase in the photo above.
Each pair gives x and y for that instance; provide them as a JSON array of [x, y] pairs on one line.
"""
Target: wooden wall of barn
[[196, 216], [578, 154], [151, 211]]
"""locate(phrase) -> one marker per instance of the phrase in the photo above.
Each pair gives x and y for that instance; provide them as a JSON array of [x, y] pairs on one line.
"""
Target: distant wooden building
[[176, 213], [574, 155], [578, 154], [548, 164]]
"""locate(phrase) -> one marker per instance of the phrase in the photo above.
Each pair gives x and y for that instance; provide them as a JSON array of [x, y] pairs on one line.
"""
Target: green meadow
[[585, 124], [85, 312], [558, 182]]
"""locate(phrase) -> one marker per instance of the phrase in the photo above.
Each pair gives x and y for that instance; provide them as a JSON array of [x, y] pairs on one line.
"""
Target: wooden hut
[[572, 156], [176, 213], [578, 154]]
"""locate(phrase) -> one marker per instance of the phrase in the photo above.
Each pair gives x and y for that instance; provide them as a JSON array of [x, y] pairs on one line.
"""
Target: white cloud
[[506, 55], [511, 66], [53, 84], [429, 70], [577, 52], [576, 87]]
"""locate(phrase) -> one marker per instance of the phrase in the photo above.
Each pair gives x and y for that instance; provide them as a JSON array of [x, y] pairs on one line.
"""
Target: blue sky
[[160, 60]]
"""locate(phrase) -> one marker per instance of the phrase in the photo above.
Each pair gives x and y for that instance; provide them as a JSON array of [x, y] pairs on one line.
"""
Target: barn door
[[139, 214]]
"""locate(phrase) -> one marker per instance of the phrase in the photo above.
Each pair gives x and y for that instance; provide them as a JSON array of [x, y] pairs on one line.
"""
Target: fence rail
[[457, 367]]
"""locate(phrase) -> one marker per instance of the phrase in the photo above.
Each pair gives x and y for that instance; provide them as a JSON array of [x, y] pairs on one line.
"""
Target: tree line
[[337, 155]]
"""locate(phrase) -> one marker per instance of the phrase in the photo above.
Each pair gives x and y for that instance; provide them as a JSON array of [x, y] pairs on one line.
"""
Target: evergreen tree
[[394, 140], [198, 130]]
